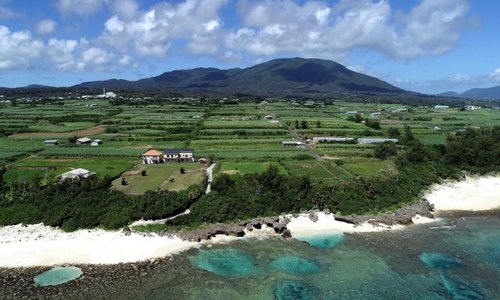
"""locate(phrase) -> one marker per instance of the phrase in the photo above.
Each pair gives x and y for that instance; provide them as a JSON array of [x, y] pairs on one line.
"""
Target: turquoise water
[[225, 262], [295, 265], [58, 275], [418, 263], [323, 241]]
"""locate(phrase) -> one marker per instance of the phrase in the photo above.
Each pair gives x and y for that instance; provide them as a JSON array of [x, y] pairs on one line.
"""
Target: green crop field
[[238, 136]]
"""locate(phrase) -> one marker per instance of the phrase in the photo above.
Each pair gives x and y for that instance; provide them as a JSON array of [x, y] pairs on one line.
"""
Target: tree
[[408, 135], [385, 150], [303, 124], [124, 182], [372, 123], [144, 173], [393, 132], [182, 170], [318, 124], [296, 123], [72, 139]]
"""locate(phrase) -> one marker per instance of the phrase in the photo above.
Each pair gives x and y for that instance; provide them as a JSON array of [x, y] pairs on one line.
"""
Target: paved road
[[210, 176]]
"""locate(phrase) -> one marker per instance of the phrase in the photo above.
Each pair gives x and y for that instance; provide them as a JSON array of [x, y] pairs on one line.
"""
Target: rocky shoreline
[[97, 282], [402, 216]]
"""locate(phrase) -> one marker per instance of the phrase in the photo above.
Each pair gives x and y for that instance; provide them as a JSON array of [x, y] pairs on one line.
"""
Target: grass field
[[159, 177]]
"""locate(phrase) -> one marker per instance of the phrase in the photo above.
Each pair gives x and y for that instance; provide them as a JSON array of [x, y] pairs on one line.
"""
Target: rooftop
[[152, 153]]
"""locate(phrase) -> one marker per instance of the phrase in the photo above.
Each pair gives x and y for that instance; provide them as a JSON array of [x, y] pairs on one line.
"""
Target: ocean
[[455, 258]]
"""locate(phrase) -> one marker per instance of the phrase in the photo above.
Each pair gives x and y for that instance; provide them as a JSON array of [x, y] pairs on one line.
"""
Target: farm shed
[[83, 141], [77, 174], [51, 142], [293, 144]]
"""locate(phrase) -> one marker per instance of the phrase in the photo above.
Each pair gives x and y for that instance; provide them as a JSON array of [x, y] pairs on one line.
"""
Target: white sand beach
[[472, 194], [39, 245], [302, 225]]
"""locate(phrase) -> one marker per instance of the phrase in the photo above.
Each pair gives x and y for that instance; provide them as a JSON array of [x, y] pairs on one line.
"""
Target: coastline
[[42, 246]]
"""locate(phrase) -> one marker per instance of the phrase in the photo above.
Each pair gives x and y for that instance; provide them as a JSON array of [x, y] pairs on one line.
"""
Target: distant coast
[[39, 245]]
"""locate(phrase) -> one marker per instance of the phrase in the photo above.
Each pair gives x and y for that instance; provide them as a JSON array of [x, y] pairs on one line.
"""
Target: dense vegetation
[[87, 204]]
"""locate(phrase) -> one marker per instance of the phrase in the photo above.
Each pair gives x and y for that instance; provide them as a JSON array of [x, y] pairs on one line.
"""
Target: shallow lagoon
[[57, 276]]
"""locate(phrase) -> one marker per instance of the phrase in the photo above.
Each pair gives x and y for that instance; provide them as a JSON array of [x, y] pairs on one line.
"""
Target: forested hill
[[279, 77]]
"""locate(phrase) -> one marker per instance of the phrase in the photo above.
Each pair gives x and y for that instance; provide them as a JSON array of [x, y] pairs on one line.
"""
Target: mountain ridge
[[278, 77], [491, 93]]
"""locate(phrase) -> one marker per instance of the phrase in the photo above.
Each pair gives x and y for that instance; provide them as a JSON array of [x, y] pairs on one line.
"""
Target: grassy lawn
[[183, 181], [158, 177]]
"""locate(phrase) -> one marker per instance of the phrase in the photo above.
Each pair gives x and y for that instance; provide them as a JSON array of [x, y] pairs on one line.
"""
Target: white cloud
[[82, 8], [45, 26], [125, 60], [151, 32], [126, 9], [96, 56], [495, 75], [313, 28], [17, 49]]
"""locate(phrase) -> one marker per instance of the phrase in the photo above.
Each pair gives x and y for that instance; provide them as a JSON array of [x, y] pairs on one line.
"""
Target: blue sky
[[427, 46]]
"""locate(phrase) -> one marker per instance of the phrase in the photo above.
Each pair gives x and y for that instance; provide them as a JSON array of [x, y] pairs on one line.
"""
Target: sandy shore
[[472, 194], [326, 223], [39, 245]]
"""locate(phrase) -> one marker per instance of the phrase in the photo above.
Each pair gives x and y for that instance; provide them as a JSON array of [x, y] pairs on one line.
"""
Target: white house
[[152, 157], [178, 155]]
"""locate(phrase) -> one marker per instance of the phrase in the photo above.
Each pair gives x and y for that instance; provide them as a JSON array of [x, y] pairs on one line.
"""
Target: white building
[[77, 174]]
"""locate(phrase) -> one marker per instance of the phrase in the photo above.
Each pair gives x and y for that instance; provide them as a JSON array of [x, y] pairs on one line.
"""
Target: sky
[[427, 46]]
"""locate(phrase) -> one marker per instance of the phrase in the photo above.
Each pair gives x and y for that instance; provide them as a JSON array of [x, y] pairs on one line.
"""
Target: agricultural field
[[242, 138]]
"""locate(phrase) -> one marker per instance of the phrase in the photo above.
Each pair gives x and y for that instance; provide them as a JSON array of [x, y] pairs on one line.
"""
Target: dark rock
[[286, 234], [313, 217], [278, 227]]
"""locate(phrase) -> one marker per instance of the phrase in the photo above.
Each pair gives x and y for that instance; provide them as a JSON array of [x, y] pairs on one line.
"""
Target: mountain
[[278, 77], [483, 93], [492, 93]]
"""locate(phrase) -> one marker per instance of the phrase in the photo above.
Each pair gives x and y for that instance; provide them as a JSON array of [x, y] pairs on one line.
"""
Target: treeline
[[87, 204], [476, 150]]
